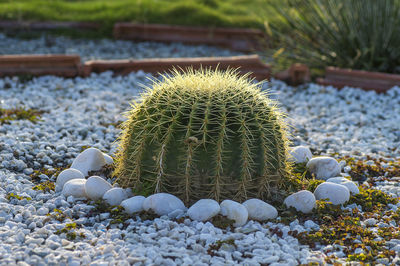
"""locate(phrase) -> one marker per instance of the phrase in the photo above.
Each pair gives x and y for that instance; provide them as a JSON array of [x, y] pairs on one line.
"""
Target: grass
[[232, 13]]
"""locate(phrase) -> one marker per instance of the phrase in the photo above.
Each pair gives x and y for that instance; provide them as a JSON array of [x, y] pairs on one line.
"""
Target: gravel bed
[[106, 48], [84, 111]]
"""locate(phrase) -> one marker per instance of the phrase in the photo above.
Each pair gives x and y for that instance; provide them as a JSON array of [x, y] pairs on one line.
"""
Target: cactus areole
[[204, 134]]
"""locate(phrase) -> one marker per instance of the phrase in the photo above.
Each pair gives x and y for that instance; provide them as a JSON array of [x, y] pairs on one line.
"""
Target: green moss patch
[[11, 196], [347, 230], [58, 215], [222, 222], [8, 115], [372, 199], [363, 169], [214, 248], [35, 176], [345, 227], [70, 231], [46, 186]]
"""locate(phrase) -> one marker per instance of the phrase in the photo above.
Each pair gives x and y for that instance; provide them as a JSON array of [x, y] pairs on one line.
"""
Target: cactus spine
[[204, 134]]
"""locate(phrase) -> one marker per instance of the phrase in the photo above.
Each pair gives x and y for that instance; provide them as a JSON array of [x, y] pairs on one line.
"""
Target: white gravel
[[80, 112], [106, 48]]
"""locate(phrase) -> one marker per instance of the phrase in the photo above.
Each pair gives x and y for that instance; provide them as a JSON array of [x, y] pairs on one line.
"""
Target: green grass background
[[221, 13]]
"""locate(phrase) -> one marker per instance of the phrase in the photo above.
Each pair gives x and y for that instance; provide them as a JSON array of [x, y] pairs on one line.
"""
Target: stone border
[[377, 81], [251, 63], [245, 40], [71, 66], [39, 65]]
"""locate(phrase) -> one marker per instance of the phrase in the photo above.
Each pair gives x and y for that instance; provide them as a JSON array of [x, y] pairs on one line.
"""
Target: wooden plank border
[[70, 65], [245, 40], [377, 81], [39, 65], [246, 64]]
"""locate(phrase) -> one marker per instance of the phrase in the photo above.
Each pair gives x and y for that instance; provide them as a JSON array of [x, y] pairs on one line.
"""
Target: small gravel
[[106, 48], [84, 112]]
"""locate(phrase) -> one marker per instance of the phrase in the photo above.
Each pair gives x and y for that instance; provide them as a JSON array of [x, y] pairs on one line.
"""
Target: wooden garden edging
[[48, 25], [234, 38], [70, 65], [246, 64], [379, 82], [38, 65]]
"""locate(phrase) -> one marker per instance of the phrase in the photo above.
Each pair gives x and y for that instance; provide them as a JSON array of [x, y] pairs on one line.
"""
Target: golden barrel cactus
[[204, 134]]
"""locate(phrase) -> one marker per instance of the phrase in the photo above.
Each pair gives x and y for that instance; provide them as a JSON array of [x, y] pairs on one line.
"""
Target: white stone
[[133, 205], [42, 211], [234, 211], [114, 196], [353, 188], [311, 225], [335, 193], [108, 158], [163, 203], [96, 186], [66, 175], [75, 187], [91, 159], [323, 167], [204, 210], [370, 222], [303, 201], [300, 154], [259, 210]]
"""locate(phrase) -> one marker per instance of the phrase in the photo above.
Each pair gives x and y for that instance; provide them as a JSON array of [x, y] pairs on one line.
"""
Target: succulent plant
[[204, 134]]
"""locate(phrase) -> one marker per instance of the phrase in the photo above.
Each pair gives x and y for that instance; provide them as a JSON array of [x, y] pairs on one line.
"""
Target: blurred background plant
[[357, 34]]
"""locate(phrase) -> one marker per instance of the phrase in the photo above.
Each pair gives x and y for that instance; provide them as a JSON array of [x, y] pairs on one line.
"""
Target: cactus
[[204, 134]]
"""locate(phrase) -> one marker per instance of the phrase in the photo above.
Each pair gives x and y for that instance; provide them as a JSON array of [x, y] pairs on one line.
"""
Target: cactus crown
[[204, 134]]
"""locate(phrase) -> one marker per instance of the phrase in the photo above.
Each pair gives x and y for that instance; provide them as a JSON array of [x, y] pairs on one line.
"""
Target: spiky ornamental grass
[[204, 134], [358, 34]]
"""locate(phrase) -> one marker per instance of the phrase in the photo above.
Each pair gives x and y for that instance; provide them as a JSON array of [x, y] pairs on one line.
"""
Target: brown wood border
[[245, 40], [38, 65], [377, 81], [245, 64]]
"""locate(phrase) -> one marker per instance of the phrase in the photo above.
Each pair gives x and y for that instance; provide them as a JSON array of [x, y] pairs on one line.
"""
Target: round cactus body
[[204, 134]]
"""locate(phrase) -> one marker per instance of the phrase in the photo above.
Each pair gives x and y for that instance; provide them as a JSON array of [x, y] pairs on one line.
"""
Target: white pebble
[[75, 187], [370, 222], [300, 154], [335, 193], [42, 211], [323, 167], [133, 205], [259, 210], [234, 211], [108, 158], [163, 203], [91, 159], [114, 196], [303, 201], [353, 188], [204, 210], [66, 175], [96, 186]]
